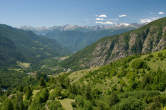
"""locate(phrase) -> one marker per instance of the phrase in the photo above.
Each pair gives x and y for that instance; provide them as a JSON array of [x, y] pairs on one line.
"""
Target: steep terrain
[[16, 44], [149, 38]]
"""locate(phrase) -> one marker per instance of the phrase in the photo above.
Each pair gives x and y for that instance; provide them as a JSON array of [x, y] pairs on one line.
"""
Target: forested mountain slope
[[8, 52], [28, 46]]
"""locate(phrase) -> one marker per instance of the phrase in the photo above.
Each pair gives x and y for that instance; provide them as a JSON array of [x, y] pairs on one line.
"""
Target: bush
[[129, 104], [153, 106], [102, 105], [54, 105], [88, 105], [149, 57], [42, 82], [7, 105], [139, 94], [36, 106], [79, 100], [28, 92], [113, 99], [42, 96], [138, 64], [52, 95], [18, 102], [74, 105], [64, 93]]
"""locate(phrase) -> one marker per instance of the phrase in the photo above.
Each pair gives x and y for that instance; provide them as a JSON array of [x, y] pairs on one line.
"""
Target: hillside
[[135, 83], [25, 46], [131, 83], [8, 52], [149, 38]]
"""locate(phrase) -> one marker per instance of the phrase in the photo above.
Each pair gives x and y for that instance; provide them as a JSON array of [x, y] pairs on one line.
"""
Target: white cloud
[[99, 19], [99, 22], [161, 13], [124, 24], [106, 22], [102, 16], [148, 20], [120, 16]]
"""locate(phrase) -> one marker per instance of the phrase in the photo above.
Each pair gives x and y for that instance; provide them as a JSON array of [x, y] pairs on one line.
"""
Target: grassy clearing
[[34, 93], [67, 104], [23, 64], [76, 76]]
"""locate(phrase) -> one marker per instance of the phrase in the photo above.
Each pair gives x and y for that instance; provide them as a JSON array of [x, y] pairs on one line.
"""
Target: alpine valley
[[83, 67]]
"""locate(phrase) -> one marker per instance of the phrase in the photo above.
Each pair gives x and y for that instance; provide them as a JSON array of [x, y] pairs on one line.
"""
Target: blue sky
[[79, 12]]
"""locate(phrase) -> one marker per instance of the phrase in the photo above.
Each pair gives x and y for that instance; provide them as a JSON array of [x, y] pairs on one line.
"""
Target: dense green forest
[[132, 83]]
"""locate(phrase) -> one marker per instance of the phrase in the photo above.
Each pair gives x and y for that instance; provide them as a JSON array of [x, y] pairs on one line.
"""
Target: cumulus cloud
[[99, 22], [112, 23], [148, 20], [99, 19], [104, 22], [108, 22], [124, 24], [161, 13], [120, 16], [102, 16]]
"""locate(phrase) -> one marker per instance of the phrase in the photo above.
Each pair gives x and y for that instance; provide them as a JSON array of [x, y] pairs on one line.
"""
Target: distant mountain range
[[76, 37], [149, 38], [69, 27]]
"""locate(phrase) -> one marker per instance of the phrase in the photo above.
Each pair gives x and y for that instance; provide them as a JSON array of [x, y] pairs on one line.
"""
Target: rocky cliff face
[[149, 38]]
